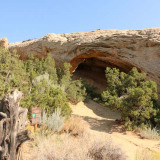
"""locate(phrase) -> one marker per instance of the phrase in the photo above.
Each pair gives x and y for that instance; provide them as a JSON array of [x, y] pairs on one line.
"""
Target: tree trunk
[[12, 126]]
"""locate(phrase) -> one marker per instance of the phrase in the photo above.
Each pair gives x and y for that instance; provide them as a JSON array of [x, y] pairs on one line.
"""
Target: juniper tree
[[50, 68], [12, 72], [38, 80], [74, 89], [132, 96]]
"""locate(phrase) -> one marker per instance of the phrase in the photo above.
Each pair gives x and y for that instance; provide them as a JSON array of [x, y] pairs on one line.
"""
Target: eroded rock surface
[[4, 43], [115, 48]]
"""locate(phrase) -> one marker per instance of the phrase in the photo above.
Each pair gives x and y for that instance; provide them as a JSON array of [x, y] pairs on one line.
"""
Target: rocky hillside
[[97, 49]]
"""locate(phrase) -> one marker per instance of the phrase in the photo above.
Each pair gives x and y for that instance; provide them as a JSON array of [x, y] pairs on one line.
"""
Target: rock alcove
[[91, 67]]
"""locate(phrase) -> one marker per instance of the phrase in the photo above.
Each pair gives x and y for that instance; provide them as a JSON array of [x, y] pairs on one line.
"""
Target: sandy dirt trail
[[102, 123]]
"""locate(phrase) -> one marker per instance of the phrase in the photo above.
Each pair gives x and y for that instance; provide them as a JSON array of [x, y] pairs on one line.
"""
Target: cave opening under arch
[[92, 68]]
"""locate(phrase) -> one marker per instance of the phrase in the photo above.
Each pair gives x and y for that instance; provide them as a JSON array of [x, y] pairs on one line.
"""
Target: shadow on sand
[[104, 125], [106, 121]]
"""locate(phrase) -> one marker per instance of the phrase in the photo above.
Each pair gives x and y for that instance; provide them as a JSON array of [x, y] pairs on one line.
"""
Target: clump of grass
[[106, 151], [76, 126], [60, 147], [146, 154], [76, 143], [149, 133], [67, 147]]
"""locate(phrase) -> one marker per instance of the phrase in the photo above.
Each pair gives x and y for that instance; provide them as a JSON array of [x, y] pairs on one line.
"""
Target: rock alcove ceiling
[[91, 67]]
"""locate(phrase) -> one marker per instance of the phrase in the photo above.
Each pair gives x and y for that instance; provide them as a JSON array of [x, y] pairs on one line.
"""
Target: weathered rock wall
[[118, 48]]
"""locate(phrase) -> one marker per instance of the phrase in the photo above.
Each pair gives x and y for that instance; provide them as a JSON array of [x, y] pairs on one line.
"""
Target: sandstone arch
[[120, 48]]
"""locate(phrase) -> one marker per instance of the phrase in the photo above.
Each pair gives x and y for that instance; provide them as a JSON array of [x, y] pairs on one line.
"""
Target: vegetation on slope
[[41, 83], [51, 88], [133, 96], [44, 85]]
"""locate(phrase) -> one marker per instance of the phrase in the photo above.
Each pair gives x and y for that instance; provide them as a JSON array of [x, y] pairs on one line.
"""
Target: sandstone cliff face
[[4, 43], [115, 48]]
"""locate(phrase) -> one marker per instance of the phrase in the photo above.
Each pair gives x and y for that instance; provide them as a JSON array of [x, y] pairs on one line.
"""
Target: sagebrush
[[66, 147], [52, 123]]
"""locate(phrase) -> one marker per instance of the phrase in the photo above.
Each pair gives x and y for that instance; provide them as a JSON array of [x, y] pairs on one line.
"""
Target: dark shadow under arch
[[91, 67]]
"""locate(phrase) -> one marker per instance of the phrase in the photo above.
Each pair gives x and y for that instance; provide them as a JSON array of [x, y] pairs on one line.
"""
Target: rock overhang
[[120, 48]]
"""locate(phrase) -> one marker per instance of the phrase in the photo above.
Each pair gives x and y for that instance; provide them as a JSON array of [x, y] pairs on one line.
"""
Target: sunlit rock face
[[4, 43], [92, 52]]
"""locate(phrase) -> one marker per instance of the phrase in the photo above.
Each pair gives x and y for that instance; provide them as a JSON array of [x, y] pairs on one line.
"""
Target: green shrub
[[12, 73], [49, 67], [41, 83], [47, 97], [92, 92], [132, 96], [58, 81], [65, 76], [35, 67], [76, 92], [37, 79], [74, 89]]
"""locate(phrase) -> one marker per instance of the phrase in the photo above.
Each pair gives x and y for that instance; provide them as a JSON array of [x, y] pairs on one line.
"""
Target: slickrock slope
[[116, 48]]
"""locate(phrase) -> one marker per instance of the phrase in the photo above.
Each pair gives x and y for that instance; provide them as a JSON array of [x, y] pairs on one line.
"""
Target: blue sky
[[27, 19]]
